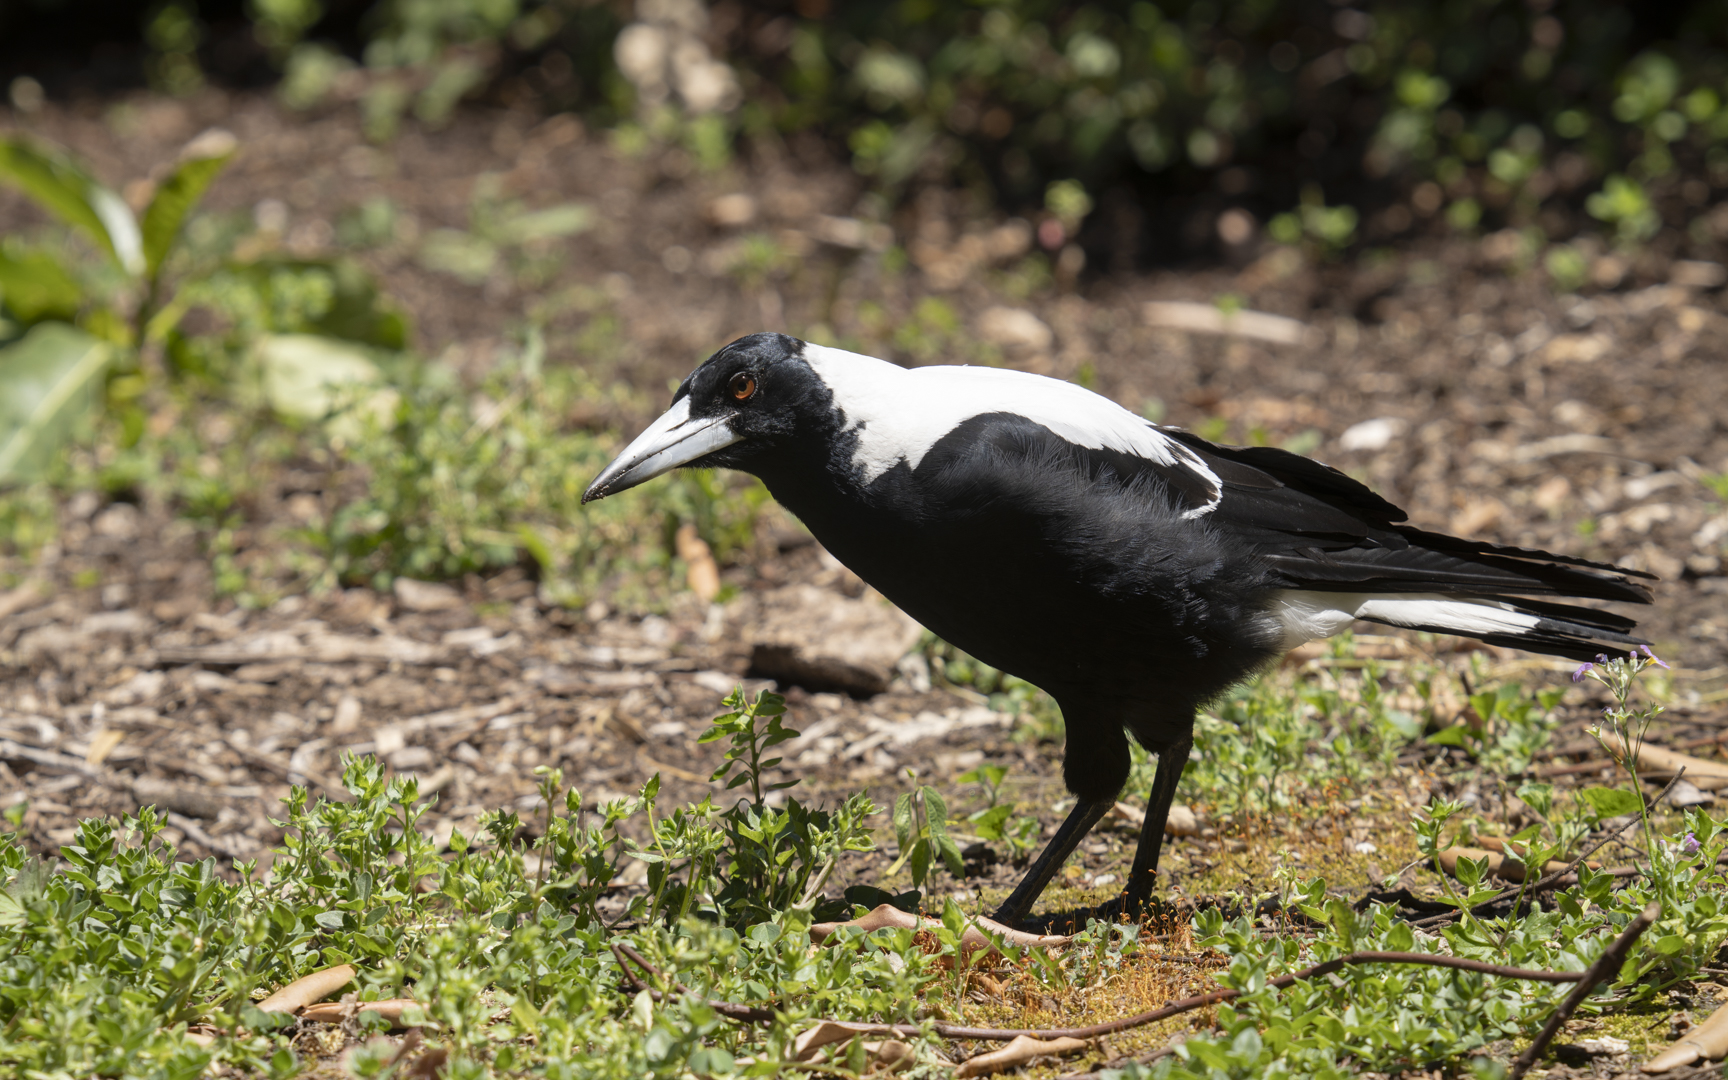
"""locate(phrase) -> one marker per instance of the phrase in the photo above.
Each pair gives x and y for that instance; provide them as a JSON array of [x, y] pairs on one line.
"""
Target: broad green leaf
[[1610, 802], [35, 286], [48, 382], [69, 193], [200, 162], [309, 376], [565, 219], [988, 824], [903, 820], [951, 856], [459, 254]]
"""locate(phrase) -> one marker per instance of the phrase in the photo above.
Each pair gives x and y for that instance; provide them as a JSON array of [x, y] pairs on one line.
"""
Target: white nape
[[1306, 616], [900, 413]]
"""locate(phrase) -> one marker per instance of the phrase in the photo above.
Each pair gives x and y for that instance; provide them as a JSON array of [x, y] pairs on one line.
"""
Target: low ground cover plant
[[517, 951]]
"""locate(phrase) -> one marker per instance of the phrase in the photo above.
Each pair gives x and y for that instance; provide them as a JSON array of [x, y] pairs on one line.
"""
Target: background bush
[[1561, 116]]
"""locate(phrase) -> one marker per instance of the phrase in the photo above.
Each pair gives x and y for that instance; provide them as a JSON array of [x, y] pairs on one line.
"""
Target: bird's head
[[728, 413]]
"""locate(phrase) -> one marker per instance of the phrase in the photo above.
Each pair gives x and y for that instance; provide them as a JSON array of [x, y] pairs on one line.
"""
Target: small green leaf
[[951, 856], [988, 823], [903, 821], [1452, 736], [1486, 704], [920, 861], [565, 219], [307, 376], [65, 190], [1609, 802], [48, 382], [200, 163], [1538, 797]]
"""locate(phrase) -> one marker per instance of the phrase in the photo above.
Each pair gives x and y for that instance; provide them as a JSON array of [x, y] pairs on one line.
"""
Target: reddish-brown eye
[[742, 386]]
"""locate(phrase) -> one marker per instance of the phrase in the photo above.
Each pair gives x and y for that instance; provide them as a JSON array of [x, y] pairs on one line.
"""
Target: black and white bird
[[1132, 571]]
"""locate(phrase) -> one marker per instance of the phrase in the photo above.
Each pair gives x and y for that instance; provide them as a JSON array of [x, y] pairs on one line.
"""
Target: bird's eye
[[742, 386]]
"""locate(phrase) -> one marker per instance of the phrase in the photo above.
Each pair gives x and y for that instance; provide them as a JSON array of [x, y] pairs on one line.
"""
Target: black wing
[[1320, 529]]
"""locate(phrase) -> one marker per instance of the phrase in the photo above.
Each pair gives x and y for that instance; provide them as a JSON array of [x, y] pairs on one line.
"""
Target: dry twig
[[1607, 966]]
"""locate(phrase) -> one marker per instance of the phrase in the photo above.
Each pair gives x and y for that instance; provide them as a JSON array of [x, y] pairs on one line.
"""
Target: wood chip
[[703, 573], [1211, 319], [180, 798]]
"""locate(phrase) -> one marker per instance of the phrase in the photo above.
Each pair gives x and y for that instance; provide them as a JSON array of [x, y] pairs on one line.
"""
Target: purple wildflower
[[1690, 845], [1657, 660], [1578, 676]]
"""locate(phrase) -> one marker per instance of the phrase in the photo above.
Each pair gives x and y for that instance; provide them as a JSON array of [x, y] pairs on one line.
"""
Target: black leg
[[1074, 829], [1144, 876]]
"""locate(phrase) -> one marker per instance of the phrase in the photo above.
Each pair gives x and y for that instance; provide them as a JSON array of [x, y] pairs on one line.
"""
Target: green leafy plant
[[1623, 738], [83, 329], [996, 821], [921, 830], [747, 742]]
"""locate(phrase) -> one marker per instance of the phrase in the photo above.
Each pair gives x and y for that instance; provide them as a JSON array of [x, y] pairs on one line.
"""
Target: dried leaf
[[1022, 1050], [891, 1054], [827, 1032], [1707, 1041], [308, 989], [332, 1012], [102, 744]]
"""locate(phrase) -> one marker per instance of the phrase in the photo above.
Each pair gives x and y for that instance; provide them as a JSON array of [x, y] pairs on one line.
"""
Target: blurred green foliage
[[1479, 112]]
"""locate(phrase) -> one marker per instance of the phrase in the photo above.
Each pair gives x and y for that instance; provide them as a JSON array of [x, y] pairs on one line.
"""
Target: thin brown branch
[[1216, 997], [737, 1011], [1606, 967]]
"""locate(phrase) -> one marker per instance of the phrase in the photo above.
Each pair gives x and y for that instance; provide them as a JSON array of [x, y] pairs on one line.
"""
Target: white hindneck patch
[[900, 413]]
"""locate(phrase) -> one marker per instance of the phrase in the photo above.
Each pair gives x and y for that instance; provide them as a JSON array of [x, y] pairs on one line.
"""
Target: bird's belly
[[1021, 608]]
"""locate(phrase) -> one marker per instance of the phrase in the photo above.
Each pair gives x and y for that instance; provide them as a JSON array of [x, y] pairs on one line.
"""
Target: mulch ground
[[1578, 423]]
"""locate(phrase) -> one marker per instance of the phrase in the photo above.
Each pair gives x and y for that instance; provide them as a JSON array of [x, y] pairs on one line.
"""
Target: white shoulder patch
[[900, 413]]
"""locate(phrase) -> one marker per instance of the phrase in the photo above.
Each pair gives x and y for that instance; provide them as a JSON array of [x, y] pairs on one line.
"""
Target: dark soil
[[1579, 424]]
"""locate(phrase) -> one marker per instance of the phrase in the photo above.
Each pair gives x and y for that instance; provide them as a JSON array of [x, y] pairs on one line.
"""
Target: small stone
[[824, 640], [732, 211], [411, 758], [1372, 435], [1684, 793], [1697, 274], [1015, 328], [1182, 822], [425, 595]]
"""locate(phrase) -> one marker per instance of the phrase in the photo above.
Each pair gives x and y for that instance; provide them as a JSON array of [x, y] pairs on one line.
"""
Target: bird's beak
[[673, 440]]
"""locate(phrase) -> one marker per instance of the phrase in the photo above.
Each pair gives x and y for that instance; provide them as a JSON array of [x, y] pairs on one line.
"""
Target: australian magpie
[[1131, 570]]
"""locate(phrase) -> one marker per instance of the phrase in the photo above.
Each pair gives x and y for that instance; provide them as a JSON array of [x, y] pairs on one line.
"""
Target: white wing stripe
[[1306, 615], [899, 414]]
